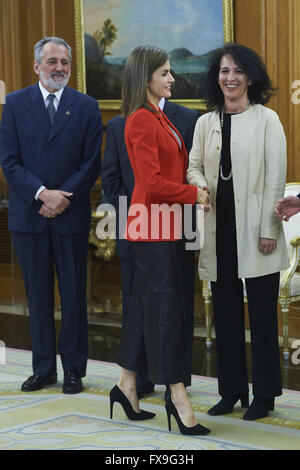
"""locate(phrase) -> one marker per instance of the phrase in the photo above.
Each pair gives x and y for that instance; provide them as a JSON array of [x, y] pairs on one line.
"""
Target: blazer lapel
[[64, 112], [167, 125], [38, 108]]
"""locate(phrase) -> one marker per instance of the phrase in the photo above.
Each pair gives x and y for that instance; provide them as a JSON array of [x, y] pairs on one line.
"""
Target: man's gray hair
[[38, 48]]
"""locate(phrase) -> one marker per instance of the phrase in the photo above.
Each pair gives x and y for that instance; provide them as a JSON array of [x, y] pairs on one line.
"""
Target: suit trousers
[[39, 254], [155, 333]]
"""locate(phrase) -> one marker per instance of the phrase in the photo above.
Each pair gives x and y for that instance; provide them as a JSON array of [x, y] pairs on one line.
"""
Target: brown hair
[[139, 67]]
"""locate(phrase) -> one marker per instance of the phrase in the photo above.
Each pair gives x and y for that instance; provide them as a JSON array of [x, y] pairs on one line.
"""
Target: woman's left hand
[[267, 245]]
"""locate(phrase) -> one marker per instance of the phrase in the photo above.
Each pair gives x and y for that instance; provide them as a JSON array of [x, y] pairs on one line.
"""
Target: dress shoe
[[259, 408], [226, 405], [35, 382], [143, 390], [72, 383], [117, 396], [197, 430]]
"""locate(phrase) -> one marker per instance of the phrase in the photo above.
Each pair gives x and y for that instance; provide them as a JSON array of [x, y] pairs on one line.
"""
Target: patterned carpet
[[48, 419]]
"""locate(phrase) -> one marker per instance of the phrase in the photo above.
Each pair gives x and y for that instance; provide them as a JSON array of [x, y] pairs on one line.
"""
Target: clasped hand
[[203, 197], [55, 202]]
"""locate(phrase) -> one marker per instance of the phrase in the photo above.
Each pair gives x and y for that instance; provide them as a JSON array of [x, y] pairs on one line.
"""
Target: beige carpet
[[48, 419]]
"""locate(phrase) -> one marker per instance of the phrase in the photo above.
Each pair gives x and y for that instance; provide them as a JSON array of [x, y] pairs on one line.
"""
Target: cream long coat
[[258, 155]]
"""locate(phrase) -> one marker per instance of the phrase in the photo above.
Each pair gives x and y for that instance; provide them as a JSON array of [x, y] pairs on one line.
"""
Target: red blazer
[[159, 165]]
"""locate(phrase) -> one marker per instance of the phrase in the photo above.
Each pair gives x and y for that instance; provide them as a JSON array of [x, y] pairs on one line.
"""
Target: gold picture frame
[[228, 28]]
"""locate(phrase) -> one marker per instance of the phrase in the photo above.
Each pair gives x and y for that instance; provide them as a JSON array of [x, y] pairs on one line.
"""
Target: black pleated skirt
[[157, 320]]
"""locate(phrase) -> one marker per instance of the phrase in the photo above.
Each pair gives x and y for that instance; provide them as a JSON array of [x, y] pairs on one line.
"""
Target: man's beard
[[52, 83]]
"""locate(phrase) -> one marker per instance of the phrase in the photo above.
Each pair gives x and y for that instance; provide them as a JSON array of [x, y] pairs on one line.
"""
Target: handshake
[[203, 197], [55, 202]]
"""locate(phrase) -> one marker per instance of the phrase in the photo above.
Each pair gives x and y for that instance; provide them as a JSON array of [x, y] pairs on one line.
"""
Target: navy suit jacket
[[117, 175], [66, 156]]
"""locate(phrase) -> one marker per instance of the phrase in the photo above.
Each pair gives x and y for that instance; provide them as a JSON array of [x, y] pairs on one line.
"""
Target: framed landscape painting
[[107, 31]]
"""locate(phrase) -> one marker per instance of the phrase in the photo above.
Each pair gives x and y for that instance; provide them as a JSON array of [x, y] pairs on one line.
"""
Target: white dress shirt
[[45, 94], [161, 103]]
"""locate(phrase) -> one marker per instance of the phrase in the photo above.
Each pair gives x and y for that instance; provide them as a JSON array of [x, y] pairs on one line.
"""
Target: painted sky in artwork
[[194, 24]]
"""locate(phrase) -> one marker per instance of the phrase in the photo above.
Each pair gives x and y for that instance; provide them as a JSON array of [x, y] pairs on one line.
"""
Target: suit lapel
[[38, 108], [64, 111], [169, 110], [39, 111]]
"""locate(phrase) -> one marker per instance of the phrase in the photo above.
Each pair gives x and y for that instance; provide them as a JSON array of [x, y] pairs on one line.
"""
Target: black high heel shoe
[[196, 430], [116, 395], [226, 405], [259, 408]]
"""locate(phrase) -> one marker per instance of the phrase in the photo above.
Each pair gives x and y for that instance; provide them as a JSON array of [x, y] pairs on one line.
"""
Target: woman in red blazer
[[159, 161], [154, 226]]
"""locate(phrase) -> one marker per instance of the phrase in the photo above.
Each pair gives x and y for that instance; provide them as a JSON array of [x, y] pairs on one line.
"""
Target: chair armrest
[[288, 273], [295, 241], [206, 290]]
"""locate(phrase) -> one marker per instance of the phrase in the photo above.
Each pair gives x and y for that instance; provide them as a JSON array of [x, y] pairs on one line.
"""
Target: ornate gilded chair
[[289, 278]]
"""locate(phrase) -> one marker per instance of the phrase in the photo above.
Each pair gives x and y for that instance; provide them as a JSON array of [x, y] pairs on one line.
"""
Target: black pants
[[157, 321], [228, 303]]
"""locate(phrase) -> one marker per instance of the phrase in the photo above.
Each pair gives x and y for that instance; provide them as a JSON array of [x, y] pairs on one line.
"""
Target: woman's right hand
[[203, 197]]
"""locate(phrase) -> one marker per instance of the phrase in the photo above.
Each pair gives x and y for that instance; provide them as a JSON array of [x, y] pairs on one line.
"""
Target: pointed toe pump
[[196, 430], [117, 396]]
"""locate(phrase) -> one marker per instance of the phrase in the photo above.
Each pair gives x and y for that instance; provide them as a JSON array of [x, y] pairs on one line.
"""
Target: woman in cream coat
[[239, 155]]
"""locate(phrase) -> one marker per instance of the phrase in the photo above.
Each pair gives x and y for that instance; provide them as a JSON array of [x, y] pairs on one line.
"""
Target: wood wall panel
[[22, 24], [283, 80], [270, 27], [293, 53], [248, 24]]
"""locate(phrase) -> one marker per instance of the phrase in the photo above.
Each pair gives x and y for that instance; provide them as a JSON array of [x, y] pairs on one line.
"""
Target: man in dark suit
[[118, 180], [50, 143]]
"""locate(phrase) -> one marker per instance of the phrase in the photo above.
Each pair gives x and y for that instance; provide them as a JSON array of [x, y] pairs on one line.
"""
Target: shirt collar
[[45, 92], [161, 103]]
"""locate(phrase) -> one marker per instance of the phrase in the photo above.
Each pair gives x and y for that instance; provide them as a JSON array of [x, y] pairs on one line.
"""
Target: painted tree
[[106, 36]]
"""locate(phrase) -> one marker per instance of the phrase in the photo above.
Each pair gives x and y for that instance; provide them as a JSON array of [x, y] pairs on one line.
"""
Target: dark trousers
[[157, 329], [228, 303], [128, 270], [187, 266], [39, 254]]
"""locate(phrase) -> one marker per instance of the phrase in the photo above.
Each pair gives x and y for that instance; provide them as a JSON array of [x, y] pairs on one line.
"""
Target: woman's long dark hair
[[252, 65]]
